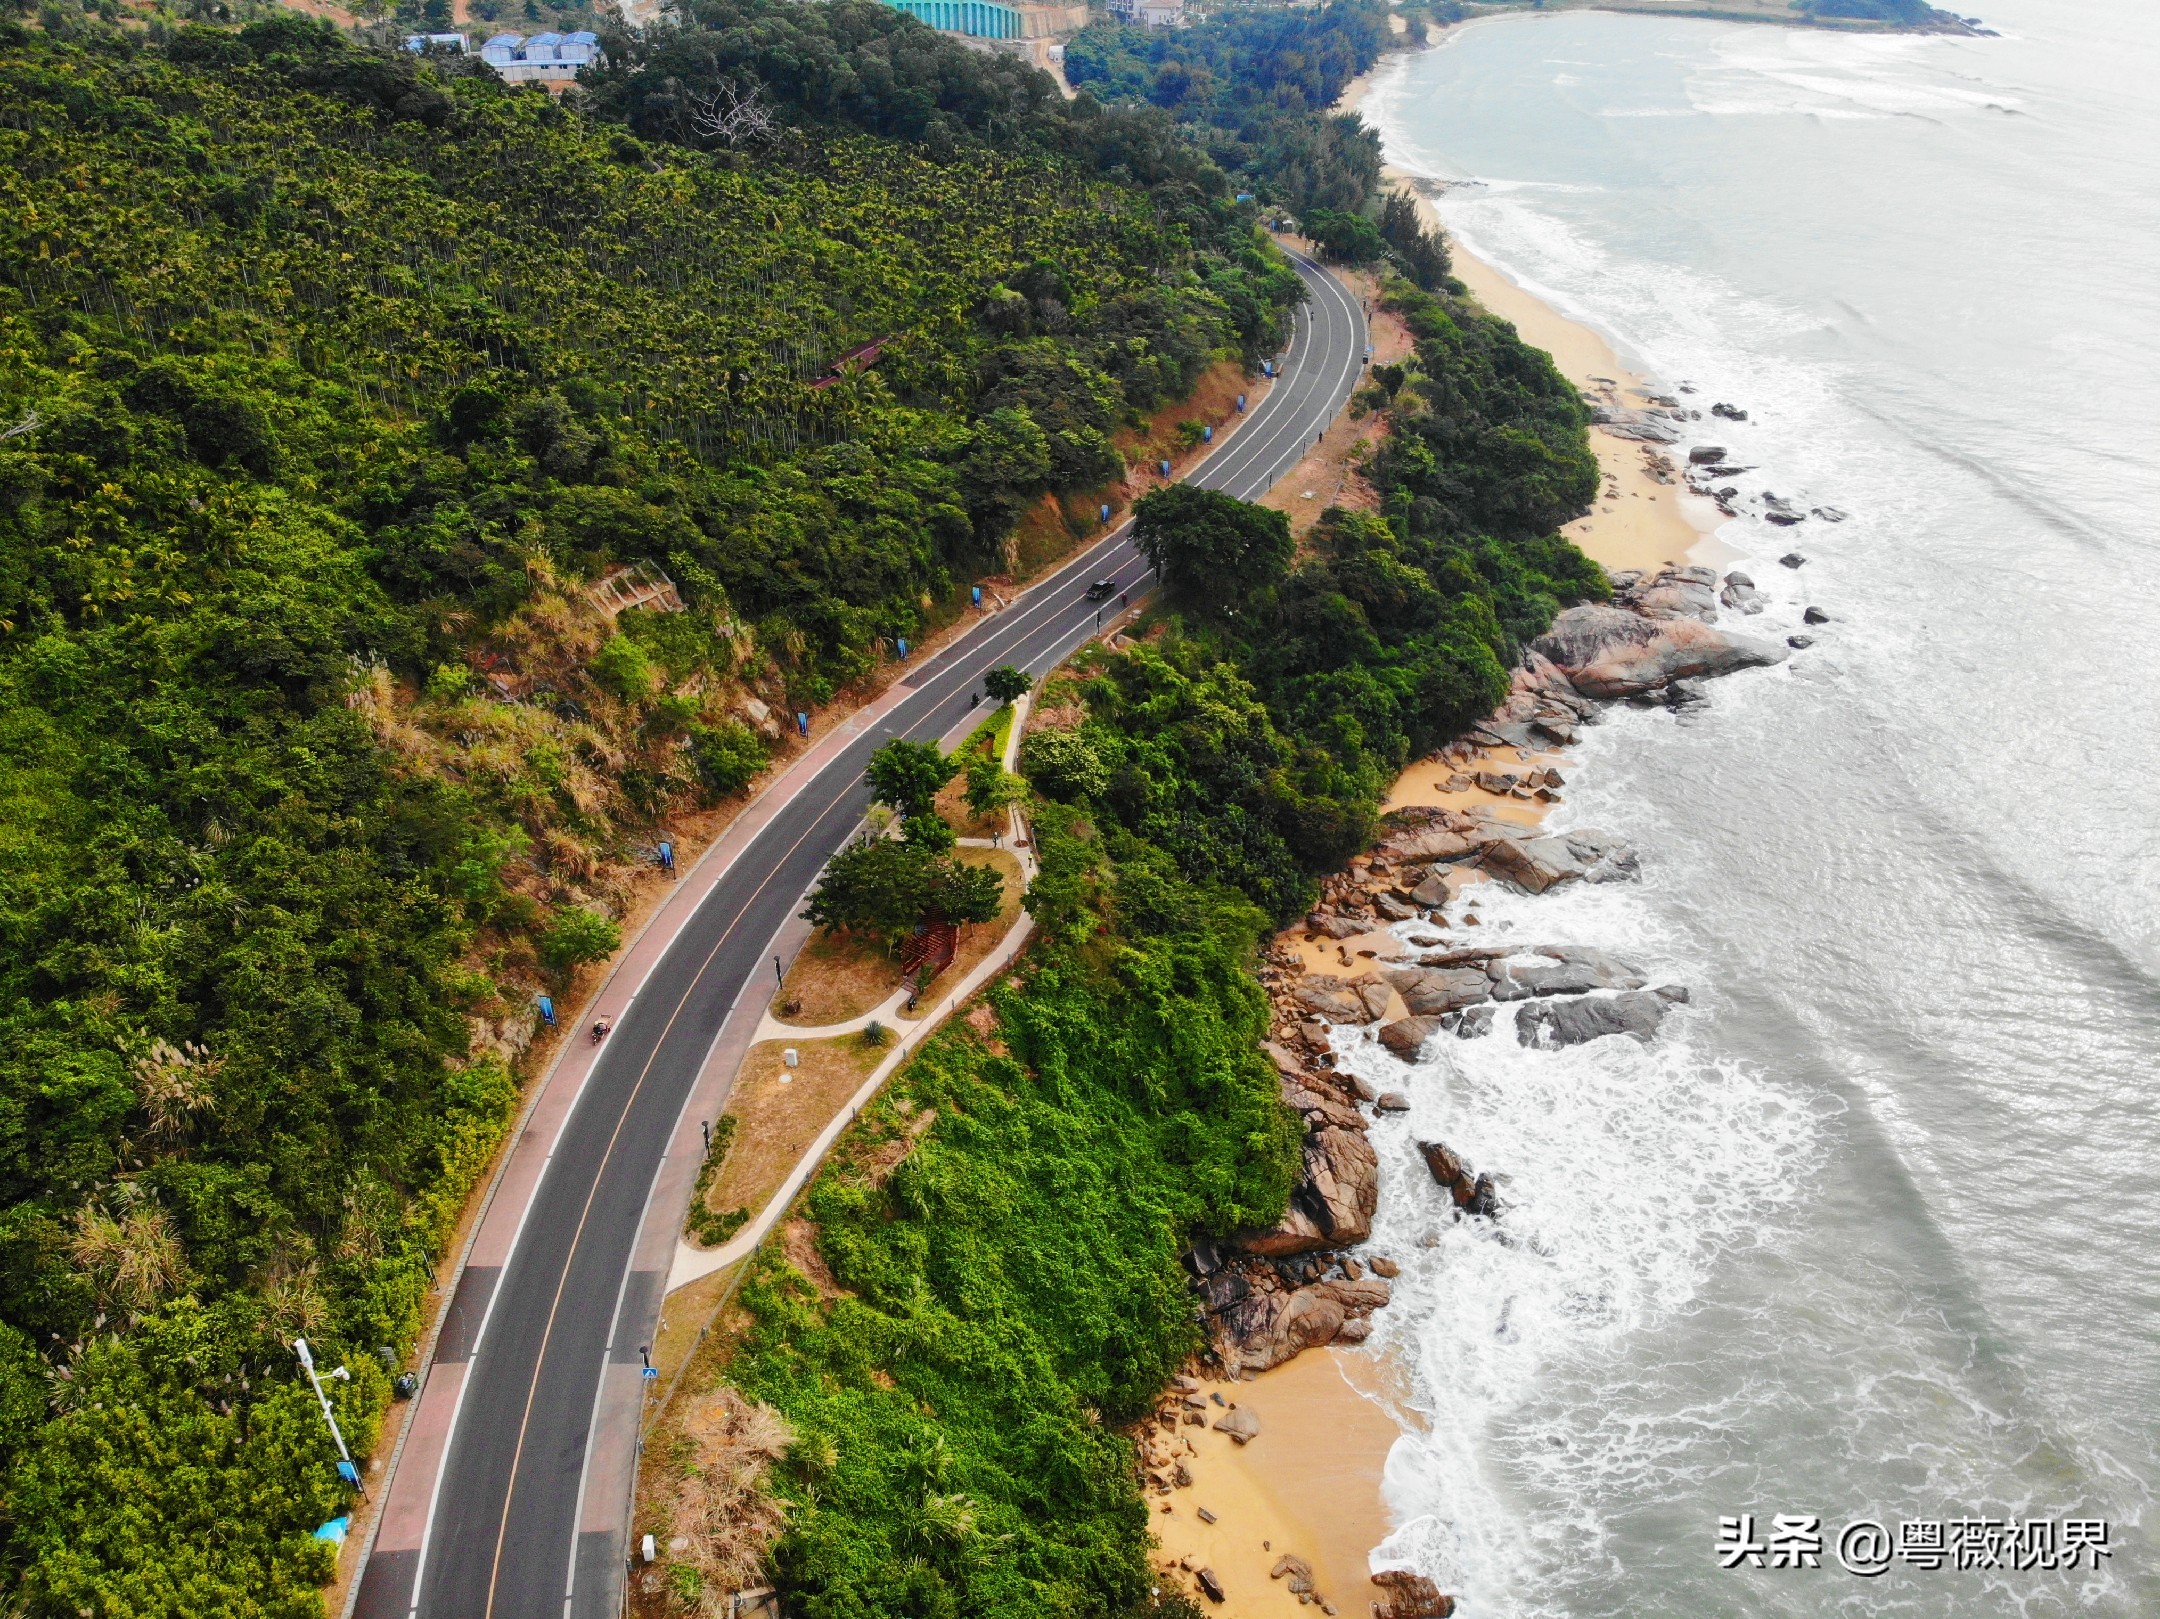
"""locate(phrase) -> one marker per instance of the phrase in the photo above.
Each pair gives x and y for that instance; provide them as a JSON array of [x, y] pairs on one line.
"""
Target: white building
[[1151, 13], [440, 44], [549, 59]]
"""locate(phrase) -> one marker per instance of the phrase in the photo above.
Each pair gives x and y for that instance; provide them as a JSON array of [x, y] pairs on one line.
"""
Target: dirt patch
[[836, 976], [1062, 716], [1332, 475], [977, 939], [798, 1240], [685, 1318], [780, 1111], [952, 805], [1390, 338], [878, 1164]]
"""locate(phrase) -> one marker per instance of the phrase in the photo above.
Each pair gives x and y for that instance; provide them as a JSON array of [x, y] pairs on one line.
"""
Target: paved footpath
[[510, 1489]]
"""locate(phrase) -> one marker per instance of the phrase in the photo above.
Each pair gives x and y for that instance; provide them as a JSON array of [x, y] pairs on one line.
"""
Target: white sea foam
[[1906, 1278], [1625, 1170]]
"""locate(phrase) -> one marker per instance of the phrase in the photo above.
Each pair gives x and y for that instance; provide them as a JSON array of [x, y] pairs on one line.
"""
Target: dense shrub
[[729, 755], [1256, 87], [1013, 1289], [329, 380], [576, 936]]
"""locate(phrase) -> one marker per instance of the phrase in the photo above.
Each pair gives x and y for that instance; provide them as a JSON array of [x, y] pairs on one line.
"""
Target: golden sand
[[1309, 1485], [1637, 521]]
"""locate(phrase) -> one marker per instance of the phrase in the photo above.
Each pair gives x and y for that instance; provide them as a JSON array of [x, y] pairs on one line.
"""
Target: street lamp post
[[346, 1470]]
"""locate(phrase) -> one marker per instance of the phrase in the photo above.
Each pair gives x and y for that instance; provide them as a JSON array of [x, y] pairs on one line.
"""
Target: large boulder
[[1270, 1328], [1317, 1108], [1536, 864], [1677, 593], [1433, 992], [1565, 970], [1459, 955], [1263, 1330], [1449, 1172], [1610, 652], [1361, 1297], [1410, 1596], [1434, 843], [1406, 1036], [1336, 1000], [1741, 595], [1334, 1201], [1573, 1023], [1241, 1425]]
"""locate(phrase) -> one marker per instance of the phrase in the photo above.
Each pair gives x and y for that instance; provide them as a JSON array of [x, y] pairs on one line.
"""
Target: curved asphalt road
[[502, 1538]]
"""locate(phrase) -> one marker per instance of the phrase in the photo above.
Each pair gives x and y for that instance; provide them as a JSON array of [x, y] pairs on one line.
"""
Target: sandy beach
[[1641, 520], [1309, 1484], [1644, 517], [1306, 1486]]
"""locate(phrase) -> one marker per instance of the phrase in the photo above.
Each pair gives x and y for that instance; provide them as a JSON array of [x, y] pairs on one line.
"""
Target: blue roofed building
[[550, 59]]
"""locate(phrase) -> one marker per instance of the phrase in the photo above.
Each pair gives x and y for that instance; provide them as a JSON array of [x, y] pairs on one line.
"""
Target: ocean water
[[1872, 1231]]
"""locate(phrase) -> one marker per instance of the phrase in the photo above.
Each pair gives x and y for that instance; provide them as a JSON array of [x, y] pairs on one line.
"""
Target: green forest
[[334, 385], [328, 385], [999, 1235], [1255, 87]]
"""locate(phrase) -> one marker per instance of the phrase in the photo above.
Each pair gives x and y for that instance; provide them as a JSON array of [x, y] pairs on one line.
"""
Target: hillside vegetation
[[984, 1284], [327, 387], [1256, 88]]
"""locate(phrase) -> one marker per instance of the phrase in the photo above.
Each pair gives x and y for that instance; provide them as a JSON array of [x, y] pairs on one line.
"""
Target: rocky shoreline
[[1413, 970]]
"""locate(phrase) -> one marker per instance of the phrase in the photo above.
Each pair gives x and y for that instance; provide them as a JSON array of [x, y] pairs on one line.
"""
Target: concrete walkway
[[692, 1262]]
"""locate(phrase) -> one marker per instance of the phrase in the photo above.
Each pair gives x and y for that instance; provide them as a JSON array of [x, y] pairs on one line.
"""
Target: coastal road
[[518, 1502]]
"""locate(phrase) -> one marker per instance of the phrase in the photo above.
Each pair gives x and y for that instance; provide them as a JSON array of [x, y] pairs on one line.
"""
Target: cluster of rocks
[[1707, 463], [1661, 629], [1657, 420], [1265, 1296], [1456, 990], [1268, 1295], [1271, 1294], [1473, 1194], [1410, 1596], [1406, 879], [1672, 594]]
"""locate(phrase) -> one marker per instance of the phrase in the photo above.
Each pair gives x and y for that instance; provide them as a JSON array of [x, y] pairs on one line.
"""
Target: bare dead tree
[[733, 115]]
